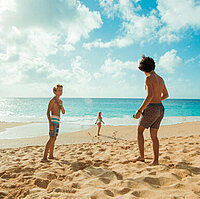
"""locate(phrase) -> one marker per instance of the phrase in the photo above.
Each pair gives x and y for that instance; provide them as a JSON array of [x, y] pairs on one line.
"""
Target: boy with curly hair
[[151, 110]]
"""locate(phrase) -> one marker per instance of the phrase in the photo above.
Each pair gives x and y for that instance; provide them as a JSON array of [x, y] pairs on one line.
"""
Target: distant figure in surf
[[98, 122]]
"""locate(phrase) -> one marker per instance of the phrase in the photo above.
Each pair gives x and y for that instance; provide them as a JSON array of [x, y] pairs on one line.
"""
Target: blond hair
[[56, 87], [99, 115]]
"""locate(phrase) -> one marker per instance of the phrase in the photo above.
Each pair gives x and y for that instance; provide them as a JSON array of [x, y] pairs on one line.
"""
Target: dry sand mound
[[103, 170]]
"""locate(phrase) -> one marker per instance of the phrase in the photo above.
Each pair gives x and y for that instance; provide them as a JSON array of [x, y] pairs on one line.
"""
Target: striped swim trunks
[[152, 116], [55, 121]]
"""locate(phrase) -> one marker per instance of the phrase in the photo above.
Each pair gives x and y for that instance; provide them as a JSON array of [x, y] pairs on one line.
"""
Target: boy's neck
[[57, 96], [151, 73]]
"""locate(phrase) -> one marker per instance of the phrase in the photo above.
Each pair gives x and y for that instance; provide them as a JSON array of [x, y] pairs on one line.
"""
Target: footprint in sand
[[98, 138], [93, 137], [124, 190], [41, 183], [109, 193], [114, 134], [89, 134]]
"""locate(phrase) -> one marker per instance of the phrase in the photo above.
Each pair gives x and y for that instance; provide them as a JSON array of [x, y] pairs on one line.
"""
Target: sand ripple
[[103, 170]]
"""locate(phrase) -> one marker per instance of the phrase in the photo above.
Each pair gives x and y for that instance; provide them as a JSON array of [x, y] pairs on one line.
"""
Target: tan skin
[[99, 124], [54, 109], [156, 92]]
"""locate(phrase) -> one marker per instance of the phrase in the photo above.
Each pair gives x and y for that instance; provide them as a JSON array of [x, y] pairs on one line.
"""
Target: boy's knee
[[52, 139], [153, 136], [140, 129]]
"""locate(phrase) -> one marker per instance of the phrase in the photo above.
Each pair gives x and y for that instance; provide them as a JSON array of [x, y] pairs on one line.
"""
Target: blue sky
[[93, 47]]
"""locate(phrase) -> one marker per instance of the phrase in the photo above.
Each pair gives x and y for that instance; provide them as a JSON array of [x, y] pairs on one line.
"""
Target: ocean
[[81, 113]]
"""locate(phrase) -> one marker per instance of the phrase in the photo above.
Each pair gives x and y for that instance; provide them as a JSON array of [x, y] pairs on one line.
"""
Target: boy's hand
[[60, 103], [61, 106], [137, 114]]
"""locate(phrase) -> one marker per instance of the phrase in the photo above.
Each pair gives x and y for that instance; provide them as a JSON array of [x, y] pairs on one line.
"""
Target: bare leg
[[140, 139], [47, 148], [99, 128], [153, 133], [52, 148]]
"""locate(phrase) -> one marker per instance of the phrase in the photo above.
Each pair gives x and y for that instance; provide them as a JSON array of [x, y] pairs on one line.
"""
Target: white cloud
[[167, 22], [116, 68], [69, 17], [190, 61], [134, 28], [169, 61], [41, 28], [29, 71], [80, 75], [32, 30], [38, 72], [67, 48], [193, 60], [139, 29], [177, 17], [179, 14], [98, 75], [123, 8]]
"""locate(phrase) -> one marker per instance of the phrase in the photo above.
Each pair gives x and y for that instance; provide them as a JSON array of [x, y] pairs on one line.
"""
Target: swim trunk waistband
[[55, 119], [155, 104]]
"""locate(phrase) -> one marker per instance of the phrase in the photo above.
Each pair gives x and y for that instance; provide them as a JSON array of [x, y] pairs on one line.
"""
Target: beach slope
[[105, 169]]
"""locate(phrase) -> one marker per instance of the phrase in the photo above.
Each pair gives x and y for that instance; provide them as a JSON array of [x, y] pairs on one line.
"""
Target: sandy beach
[[104, 167]]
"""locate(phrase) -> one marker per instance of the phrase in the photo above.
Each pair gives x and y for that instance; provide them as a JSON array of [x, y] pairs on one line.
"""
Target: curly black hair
[[147, 64]]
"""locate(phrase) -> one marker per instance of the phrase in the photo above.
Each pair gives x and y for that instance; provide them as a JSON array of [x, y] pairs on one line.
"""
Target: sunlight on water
[[34, 109]]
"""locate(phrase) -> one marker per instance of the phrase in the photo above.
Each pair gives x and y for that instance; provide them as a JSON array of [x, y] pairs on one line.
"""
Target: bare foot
[[44, 160], [154, 163], [53, 158], [139, 159]]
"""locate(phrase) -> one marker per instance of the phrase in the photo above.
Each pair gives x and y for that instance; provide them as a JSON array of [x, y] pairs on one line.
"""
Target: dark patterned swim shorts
[[152, 116], [54, 132]]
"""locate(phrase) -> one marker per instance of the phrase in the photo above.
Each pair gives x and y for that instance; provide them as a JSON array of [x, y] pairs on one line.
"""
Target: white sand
[[99, 169]]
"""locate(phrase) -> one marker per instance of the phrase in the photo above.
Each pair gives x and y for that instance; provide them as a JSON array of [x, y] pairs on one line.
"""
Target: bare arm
[[164, 93], [149, 95], [50, 105], [62, 108], [148, 98]]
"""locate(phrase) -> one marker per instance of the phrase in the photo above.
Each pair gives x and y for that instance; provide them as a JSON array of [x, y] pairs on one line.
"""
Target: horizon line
[[101, 97]]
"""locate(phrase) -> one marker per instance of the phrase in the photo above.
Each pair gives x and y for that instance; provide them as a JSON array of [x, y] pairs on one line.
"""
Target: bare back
[[158, 87]]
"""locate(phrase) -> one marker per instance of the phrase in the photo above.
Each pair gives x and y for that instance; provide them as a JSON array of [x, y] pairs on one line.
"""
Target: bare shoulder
[[148, 80], [159, 77], [51, 102]]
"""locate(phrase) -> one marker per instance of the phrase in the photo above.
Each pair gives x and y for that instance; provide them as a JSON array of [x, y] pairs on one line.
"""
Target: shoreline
[[5, 125], [109, 133]]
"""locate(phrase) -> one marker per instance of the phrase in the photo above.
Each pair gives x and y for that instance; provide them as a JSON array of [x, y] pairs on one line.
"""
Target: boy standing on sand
[[54, 107], [152, 110]]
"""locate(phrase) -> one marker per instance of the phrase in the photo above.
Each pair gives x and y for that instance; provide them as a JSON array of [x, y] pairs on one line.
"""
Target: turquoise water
[[34, 109], [81, 113]]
